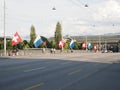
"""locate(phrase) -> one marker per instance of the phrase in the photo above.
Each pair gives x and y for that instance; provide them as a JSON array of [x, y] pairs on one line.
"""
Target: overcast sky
[[101, 16]]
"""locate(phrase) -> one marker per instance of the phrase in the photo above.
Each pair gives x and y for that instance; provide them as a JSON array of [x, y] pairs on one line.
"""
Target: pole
[[4, 32], [86, 41], [99, 42], [105, 44]]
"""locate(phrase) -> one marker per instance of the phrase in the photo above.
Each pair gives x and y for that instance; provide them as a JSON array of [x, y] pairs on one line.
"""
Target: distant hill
[[118, 33]]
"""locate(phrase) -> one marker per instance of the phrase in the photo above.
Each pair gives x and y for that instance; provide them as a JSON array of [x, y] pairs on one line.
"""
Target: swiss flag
[[83, 45], [16, 39], [61, 43], [95, 46]]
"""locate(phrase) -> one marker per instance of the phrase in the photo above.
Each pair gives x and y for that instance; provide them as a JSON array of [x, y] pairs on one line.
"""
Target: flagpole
[[99, 42], [4, 32], [86, 42]]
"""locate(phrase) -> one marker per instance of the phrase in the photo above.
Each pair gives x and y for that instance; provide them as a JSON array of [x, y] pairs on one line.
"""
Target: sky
[[100, 17]]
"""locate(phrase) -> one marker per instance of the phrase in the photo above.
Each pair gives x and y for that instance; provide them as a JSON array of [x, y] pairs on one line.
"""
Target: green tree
[[20, 45], [119, 45], [26, 44], [48, 45], [53, 44], [1, 45], [80, 45], [32, 35], [66, 47], [58, 33], [9, 46], [76, 46]]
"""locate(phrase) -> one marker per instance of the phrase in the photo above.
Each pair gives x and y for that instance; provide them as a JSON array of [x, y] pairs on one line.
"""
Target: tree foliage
[[119, 44], [53, 44], [9, 46], [1, 45], [76, 46], [20, 45], [48, 45], [32, 35], [58, 33], [26, 44], [66, 47]]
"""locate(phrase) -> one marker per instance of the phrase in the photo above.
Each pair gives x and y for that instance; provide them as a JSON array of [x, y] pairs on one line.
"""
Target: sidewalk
[[90, 57]]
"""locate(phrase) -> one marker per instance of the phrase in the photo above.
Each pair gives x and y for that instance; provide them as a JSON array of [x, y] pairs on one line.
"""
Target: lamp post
[[99, 42], [86, 42], [4, 32], [86, 5], [85, 33]]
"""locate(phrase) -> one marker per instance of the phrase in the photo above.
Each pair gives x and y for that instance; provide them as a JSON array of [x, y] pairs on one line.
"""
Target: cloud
[[108, 11], [74, 17]]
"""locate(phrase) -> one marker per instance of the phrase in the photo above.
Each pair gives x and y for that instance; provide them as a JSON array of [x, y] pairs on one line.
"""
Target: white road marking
[[34, 69], [66, 63]]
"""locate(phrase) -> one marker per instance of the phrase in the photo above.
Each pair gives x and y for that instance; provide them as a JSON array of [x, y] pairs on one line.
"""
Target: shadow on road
[[57, 74]]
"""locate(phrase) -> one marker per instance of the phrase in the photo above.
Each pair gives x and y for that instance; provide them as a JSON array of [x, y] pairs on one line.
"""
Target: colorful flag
[[38, 41], [89, 46], [16, 39], [83, 45], [44, 43], [72, 44], [64, 42], [95, 46], [61, 43]]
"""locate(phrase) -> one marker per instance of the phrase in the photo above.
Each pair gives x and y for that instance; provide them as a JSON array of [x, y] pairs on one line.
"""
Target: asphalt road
[[70, 73]]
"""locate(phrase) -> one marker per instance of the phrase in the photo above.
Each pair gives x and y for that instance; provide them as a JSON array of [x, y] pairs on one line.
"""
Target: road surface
[[61, 72]]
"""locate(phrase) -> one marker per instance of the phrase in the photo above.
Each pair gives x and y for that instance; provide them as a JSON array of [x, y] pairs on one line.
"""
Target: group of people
[[53, 50], [13, 52]]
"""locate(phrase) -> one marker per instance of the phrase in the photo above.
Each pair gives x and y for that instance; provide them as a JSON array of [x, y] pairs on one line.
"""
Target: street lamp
[[86, 5], [53, 8], [86, 42], [85, 33], [99, 42]]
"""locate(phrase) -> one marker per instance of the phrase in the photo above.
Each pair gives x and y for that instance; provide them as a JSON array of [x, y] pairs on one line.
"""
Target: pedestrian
[[51, 50], [43, 50]]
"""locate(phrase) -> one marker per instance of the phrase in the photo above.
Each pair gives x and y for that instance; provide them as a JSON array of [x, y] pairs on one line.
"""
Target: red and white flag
[[95, 46], [16, 39], [83, 45], [61, 43]]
